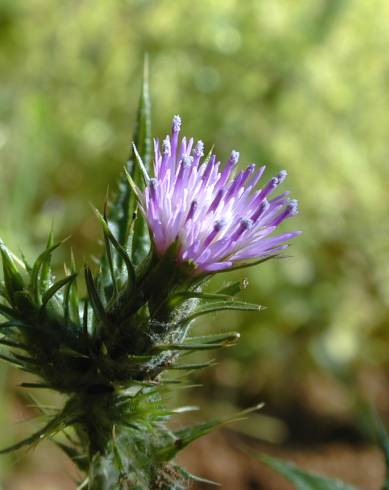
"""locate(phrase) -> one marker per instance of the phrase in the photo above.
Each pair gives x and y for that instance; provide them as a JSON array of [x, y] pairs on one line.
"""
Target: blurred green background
[[297, 85]]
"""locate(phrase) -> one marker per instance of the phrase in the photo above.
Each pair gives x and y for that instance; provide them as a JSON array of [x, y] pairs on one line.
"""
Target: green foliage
[[303, 480]]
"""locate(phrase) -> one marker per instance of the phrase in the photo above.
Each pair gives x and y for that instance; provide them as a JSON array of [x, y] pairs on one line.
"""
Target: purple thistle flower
[[219, 220]]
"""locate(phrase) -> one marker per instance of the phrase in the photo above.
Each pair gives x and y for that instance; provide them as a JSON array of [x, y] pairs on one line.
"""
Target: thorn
[[140, 164]]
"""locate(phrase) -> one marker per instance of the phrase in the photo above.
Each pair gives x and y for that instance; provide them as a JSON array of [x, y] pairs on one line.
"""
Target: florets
[[218, 219]]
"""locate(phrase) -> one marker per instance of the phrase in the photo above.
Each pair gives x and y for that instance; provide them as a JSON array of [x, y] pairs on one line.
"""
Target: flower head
[[219, 219]]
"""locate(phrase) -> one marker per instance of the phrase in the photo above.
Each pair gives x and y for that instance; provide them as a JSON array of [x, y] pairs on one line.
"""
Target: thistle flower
[[218, 219], [107, 351]]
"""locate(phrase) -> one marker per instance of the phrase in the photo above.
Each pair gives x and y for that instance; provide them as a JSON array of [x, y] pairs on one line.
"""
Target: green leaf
[[303, 480], [225, 337], [73, 299], [141, 166], [234, 288], [193, 366], [221, 306], [40, 263], [125, 203], [55, 288], [46, 266], [7, 311], [36, 385], [13, 324], [187, 435], [11, 343], [200, 295], [195, 478], [78, 458], [93, 295], [70, 298], [251, 264], [209, 342], [85, 319], [108, 251], [55, 425], [12, 277], [119, 249], [11, 360], [140, 240]]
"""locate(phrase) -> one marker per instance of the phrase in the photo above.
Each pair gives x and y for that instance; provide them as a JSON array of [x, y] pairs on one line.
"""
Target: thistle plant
[[177, 219]]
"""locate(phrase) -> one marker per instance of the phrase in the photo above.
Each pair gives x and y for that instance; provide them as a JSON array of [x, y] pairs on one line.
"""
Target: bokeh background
[[297, 85]]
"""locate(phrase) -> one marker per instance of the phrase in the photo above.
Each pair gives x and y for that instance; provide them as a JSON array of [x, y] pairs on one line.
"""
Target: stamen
[[282, 176], [234, 158], [192, 210], [217, 226], [263, 207], [153, 183], [199, 149], [176, 124], [187, 161], [166, 146], [293, 207], [216, 201], [244, 224]]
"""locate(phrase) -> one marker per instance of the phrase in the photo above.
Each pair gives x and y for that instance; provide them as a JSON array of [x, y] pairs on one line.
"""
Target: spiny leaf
[[73, 302], [85, 318], [108, 252], [119, 249], [125, 203], [186, 436], [11, 343], [193, 366], [7, 311], [212, 338], [140, 240], [195, 478], [20, 262], [12, 324], [79, 459], [226, 341], [36, 385], [93, 295], [251, 264], [138, 159], [221, 306], [303, 480], [26, 360], [200, 295], [12, 277], [55, 288], [55, 425], [46, 266], [185, 409], [234, 288], [11, 360], [40, 262], [70, 299], [84, 484]]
